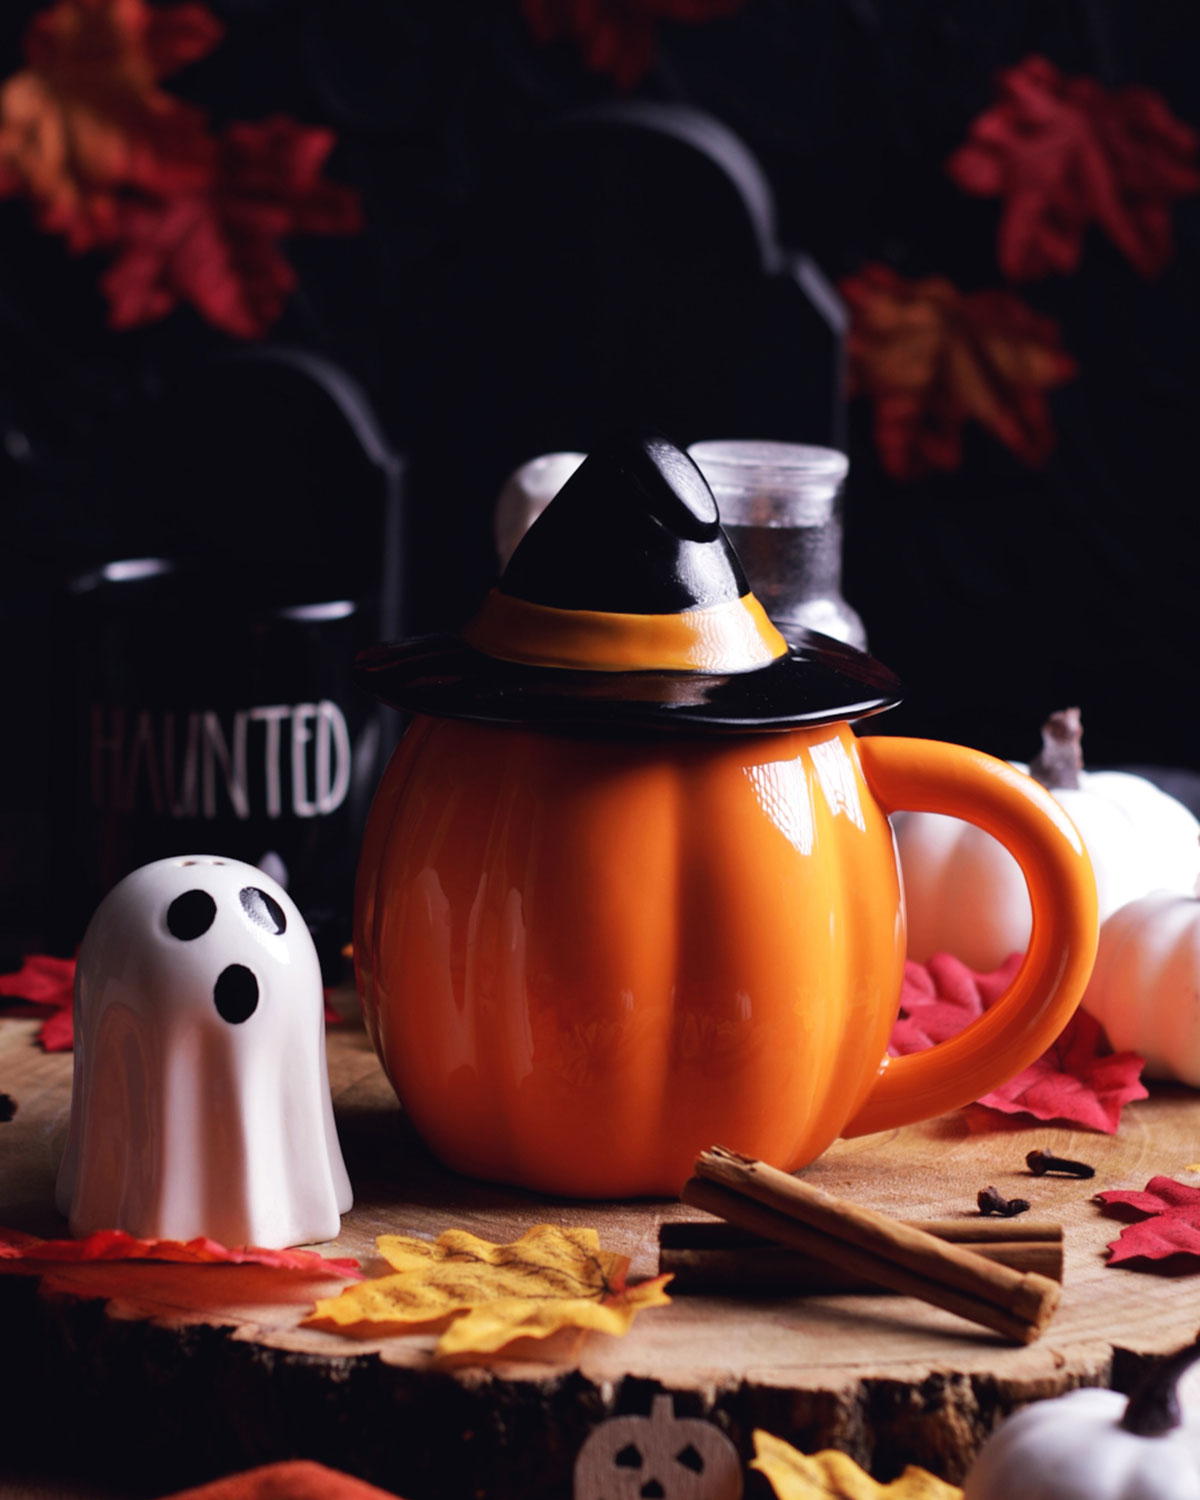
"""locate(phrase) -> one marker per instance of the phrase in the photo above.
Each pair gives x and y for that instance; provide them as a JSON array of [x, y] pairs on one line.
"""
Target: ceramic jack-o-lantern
[[201, 1099], [628, 887], [661, 1456]]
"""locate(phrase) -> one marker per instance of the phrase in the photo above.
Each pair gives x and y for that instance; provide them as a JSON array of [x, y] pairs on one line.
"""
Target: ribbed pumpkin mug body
[[583, 960]]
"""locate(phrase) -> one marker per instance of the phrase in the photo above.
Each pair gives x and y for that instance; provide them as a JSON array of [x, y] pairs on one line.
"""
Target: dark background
[[997, 592]]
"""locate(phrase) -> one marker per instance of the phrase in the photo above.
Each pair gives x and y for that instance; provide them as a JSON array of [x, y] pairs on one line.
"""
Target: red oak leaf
[[1170, 1215], [932, 358], [26, 1253], [218, 247], [46, 981], [85, 121], [1073, 1081], [617, 36], [1064, 153]]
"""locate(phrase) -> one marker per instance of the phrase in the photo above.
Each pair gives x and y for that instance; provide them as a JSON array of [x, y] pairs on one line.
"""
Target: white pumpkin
[[1145, 987], [1096, 1445], [965, 893]]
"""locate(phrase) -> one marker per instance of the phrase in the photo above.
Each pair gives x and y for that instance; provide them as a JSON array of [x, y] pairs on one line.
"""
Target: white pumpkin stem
[[1060, 761], [1153, 1408]]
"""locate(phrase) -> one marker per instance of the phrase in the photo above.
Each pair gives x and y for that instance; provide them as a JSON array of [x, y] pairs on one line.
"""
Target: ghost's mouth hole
[[235, 994]]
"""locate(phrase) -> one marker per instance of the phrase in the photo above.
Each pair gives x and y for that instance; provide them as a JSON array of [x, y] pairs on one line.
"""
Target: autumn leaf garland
[[933, 358], [110, 160], [86, 121], [1062, 154]]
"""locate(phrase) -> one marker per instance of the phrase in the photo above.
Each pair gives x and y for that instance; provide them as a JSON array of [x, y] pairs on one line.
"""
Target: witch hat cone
[[625, 605]]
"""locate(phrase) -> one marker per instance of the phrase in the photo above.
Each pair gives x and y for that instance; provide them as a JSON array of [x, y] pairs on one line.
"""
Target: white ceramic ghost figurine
[[201, 1098]]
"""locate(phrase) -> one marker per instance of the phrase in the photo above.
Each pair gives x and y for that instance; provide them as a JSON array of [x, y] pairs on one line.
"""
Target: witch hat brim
[[625, 605], [818, 680]]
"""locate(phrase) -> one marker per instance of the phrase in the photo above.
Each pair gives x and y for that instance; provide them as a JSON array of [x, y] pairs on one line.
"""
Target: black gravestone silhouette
[[213, 709], [623, 270], [269, 465]]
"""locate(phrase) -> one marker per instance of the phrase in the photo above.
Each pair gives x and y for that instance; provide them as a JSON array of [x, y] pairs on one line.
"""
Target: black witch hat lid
[[625, 604]]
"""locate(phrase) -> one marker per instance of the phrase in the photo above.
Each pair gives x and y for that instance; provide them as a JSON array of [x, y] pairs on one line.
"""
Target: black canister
[[211, 717]]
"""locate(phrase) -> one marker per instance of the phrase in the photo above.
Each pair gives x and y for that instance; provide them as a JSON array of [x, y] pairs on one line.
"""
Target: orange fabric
[[297, 1479], [733, 637]]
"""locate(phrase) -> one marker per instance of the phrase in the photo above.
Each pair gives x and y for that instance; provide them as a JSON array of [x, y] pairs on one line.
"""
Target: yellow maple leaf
[[486, 1296], [823, 1476]]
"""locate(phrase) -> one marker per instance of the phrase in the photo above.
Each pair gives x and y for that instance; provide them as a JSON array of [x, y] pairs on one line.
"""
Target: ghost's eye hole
[[191, 915], [263, 910]]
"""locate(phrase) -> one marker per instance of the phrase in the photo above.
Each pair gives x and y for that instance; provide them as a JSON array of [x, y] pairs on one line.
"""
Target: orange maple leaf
[[85, 120], [485, 1297], [933, 358]]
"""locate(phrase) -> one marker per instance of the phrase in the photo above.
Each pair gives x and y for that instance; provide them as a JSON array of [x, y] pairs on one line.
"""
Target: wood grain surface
[[178, 1377]]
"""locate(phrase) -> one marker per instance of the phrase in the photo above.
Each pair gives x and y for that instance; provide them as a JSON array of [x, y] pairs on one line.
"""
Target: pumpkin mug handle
[[931, 776]]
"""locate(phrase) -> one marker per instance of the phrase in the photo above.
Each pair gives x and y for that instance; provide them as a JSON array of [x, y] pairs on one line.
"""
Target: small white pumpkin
[[1145, 987], [1096, 1445], [965, 893]]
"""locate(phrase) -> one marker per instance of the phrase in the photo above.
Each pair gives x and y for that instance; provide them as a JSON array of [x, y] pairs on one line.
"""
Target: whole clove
[[992, 1201], [1041, 1162]]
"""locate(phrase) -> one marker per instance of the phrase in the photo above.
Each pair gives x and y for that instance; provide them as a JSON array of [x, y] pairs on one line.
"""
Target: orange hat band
[[735, 636]]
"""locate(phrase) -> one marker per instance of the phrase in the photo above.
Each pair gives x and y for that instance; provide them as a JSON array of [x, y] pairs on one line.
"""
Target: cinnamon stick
[[712, 1256], [884, 1251]]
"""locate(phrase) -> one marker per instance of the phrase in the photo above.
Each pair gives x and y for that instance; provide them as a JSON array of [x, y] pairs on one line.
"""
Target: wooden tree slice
[[179, 1377]]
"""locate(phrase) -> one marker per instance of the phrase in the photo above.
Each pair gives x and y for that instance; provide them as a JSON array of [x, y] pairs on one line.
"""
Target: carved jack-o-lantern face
[[659, 1457]]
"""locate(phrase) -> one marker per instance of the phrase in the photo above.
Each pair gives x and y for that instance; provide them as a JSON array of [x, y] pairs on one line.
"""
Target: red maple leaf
[[26, 1253], [617, 36], [1073, 1081], [1065, 153], [1170, 1221], [933, 358], [49, 982], [941, 997], [85, 120], [286, 1479], [111, 160], [217, 247]]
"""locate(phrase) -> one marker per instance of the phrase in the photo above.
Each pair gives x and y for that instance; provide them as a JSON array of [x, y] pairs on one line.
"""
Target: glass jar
[[781, 505]]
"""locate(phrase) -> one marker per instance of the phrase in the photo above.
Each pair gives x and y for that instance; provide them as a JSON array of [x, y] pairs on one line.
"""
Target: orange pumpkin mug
[[615, 906]]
